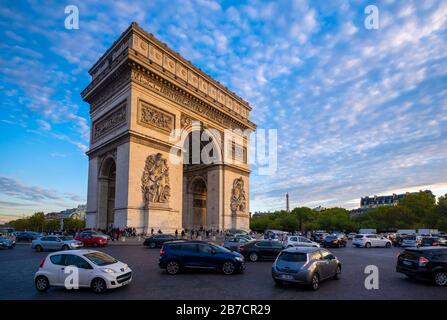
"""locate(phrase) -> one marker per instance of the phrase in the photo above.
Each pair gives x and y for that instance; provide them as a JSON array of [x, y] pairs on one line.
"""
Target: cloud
[[24, 194], [358, 112]]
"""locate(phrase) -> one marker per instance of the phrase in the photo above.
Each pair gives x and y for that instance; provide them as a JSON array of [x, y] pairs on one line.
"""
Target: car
[[261, 249], [6, 243], [319, 237], [96, 270], [334, 241], [55, 243], [245, 236], [428, 263], [158, 240], [433, 242], [308, 266], [27, 236], [96, 234], [234, 244], [351, 235], [410, 241], [299, 241], [89, 239], [370, 240], [179, 255], [233, 232]]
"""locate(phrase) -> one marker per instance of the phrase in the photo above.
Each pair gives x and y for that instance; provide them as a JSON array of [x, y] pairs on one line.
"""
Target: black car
[[157, 240], [433, 242], [27, 236], [334, 242], [7, 243], [424, 263], [181, 255], [261, 249]]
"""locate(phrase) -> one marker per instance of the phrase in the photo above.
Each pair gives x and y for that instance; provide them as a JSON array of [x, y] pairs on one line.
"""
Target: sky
[[357, 111]]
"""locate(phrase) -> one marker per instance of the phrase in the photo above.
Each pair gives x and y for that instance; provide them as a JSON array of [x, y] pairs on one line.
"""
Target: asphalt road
[[17, 268]]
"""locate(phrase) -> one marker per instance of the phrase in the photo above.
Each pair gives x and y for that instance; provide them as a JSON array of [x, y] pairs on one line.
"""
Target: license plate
[[407, 263], [286, 277]]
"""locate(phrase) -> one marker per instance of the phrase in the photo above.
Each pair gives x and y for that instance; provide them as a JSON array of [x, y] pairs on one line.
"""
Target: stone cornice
[[188, 100], [159, 53]]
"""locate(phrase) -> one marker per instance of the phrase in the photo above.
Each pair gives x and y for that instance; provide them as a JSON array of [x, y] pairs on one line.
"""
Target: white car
[[299, 241], [371, 240], [96, 270]]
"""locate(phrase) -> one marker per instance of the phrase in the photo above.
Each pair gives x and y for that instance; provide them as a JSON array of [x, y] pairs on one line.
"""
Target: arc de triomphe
[[149, 107]]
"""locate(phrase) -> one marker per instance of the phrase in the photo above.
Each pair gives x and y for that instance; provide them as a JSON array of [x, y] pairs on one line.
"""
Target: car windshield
[[410, 238], [293, 257], [359, 236], [65, 238], [331, 238], [100, 258]]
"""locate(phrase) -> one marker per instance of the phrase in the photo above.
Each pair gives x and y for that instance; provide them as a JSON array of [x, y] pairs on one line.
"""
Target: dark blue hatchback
[[180, 255]]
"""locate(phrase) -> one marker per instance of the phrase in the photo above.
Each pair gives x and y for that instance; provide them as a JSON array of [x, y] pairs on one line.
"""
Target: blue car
[[181, 255]]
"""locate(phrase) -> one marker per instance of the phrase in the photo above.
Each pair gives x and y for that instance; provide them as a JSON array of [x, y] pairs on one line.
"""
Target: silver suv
[[55, 243], [305, 265]]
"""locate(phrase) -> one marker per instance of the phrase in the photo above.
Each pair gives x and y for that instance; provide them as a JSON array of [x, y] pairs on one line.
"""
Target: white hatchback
[[299, 241], [82, 269], [370, 240]]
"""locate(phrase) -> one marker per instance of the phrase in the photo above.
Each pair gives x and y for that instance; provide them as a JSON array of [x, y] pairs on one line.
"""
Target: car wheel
[[367, 245], [253, 257], [337, 273], [388, 245], [441, 278], [314, 282], [152, 245], [65, 247], [289, 246], [172, 267], [228, 268], [42, 284], [39, 248], [98, 285]]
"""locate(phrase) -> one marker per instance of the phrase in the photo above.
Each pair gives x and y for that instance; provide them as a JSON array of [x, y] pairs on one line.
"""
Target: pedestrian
[[176, 233], [152, 231]]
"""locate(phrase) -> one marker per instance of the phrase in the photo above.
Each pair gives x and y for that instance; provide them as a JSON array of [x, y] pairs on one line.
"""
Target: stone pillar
[[92, 195]]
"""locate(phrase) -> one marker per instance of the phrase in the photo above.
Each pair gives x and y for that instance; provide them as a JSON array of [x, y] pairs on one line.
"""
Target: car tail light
[[434, 244], [241, 248], [42, 263], [162, 251], [423, 261]]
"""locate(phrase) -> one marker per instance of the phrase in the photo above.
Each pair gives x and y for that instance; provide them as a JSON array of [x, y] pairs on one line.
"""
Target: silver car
[[305, 265], [55, 243], [234, 244]]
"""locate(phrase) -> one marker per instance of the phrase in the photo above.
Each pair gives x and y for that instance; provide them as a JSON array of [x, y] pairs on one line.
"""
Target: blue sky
[[358, 112]]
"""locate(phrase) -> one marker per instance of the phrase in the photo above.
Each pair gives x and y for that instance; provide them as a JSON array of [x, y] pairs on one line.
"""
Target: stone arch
[[216, 138], [106, 192]]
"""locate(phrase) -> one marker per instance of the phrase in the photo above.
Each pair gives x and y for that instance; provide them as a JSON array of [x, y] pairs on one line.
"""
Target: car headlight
[[108, 270], [239, 259]]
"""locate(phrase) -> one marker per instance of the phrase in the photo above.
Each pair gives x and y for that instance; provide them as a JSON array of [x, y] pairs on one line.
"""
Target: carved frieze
[[154, 83], [238, 202], [109, 122], [151, 116], [155, 180]]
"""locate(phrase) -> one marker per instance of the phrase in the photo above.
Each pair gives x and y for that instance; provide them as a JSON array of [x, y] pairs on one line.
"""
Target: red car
[[91, 240]]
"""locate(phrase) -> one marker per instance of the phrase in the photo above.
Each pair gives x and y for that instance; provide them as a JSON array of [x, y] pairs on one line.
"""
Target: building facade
[[168, 145]]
